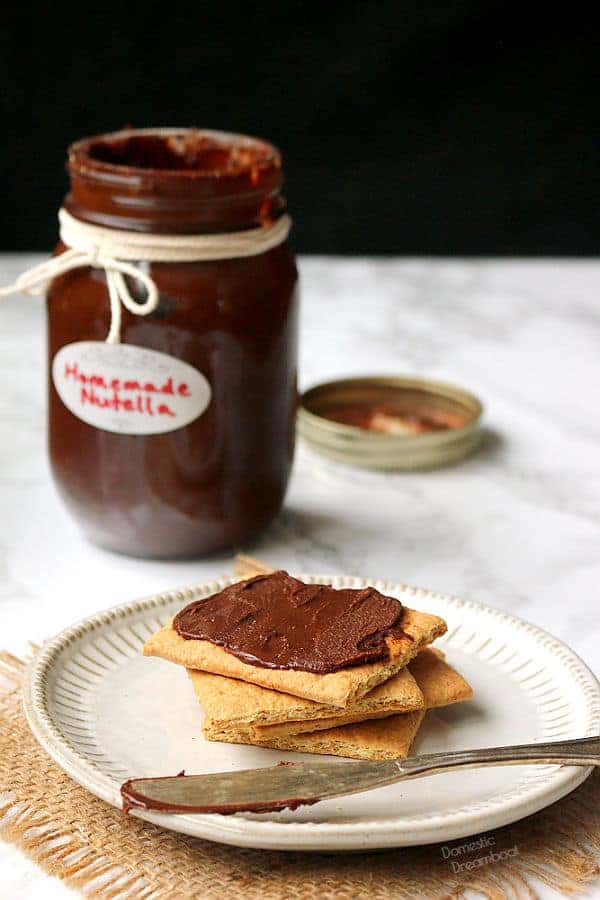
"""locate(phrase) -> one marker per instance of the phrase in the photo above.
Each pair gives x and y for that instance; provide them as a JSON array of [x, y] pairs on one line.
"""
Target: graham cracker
[[387, 738], [334, 688], [441, 685], [230, 704], [300, 727]]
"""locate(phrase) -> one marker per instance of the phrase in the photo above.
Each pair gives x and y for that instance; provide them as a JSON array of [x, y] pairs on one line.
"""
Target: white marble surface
[[516, 526]]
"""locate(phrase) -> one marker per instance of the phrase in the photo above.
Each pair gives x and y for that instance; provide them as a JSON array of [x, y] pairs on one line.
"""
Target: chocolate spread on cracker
[[278, 622]]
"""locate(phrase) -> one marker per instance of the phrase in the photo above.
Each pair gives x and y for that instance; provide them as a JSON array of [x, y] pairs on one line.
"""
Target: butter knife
[[289, 785]]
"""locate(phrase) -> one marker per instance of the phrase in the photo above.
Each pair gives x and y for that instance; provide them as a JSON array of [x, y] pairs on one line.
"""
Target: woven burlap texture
[[103, 853]]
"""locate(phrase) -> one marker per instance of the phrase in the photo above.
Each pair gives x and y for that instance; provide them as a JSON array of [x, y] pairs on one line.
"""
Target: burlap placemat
[[103, 853]]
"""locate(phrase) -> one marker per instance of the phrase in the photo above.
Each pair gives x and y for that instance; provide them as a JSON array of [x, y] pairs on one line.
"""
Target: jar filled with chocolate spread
[[175, 437]]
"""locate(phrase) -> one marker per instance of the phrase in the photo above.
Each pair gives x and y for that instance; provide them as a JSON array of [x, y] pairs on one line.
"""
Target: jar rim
[[246, 155]]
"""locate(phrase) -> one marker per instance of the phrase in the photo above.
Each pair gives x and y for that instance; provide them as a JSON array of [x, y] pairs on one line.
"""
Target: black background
[[437, 128]]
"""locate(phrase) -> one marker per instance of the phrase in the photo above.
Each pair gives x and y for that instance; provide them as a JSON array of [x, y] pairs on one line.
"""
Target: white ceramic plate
[[105, 713]]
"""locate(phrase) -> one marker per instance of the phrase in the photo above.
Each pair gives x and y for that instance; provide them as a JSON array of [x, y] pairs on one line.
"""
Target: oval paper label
[[128, 389]]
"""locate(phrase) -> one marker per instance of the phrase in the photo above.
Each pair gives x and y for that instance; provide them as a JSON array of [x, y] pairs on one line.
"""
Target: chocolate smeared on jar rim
[[187, 152], [175, 181], [278, 622]]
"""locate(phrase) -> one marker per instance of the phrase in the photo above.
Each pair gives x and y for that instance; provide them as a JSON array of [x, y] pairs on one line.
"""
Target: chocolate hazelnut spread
[[388, 418], [219, 480], [278, 622], [132, 798]]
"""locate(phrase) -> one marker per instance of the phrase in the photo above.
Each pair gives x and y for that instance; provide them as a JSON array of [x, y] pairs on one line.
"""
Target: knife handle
[[579, 752]]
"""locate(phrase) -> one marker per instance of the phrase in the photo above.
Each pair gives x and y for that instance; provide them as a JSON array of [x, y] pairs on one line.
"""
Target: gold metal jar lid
[[413, 423]]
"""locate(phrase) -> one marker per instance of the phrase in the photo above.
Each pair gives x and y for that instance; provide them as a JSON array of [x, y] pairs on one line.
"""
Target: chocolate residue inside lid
[[278, 622], [388, 418]]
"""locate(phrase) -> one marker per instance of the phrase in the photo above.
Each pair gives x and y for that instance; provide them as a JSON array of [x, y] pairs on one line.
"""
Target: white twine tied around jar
[[117, 252]]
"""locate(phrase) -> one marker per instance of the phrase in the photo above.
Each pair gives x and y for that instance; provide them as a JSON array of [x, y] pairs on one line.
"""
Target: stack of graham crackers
[[371, 710]]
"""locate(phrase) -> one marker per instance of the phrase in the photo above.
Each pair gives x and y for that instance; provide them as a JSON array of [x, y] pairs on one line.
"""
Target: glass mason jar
[[219, 480]]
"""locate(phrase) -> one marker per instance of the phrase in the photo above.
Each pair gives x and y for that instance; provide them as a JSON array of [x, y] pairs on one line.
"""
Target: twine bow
[[115, 251]]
